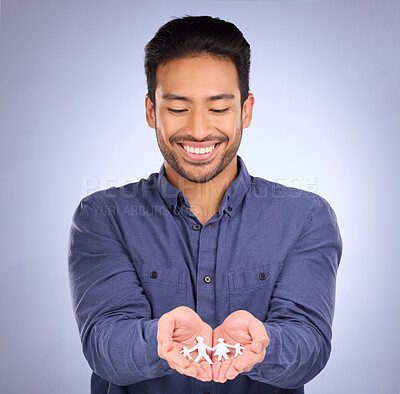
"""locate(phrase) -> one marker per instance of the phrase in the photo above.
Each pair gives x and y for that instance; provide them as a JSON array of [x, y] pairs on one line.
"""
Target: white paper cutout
[[220, 350], [238, 349], [186, 353], [201, 348]]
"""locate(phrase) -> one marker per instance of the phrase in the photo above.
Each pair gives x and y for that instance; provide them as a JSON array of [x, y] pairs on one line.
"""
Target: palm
[[188, 326], [180, 329], [235, 329]]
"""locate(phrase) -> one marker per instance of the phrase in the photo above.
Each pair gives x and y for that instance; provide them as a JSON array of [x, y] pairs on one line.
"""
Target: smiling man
[[199, 120], [202, 248]]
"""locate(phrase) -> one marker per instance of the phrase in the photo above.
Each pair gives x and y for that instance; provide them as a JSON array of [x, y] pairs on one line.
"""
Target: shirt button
[[153, 274], [196, 227], [229, 208], [207, 279], [263, 276]]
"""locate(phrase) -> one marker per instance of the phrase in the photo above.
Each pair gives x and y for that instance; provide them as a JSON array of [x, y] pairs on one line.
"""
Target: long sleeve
[[301, 310], [119, 338]]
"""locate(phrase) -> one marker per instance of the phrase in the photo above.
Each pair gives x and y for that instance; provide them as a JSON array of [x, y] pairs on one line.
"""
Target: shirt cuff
[[151, 329]]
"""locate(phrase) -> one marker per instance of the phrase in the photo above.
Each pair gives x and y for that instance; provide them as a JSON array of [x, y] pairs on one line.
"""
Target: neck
[[204, 198]]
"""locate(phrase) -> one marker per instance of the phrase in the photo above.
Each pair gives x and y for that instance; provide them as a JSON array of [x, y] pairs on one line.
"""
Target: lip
[[196, 157]]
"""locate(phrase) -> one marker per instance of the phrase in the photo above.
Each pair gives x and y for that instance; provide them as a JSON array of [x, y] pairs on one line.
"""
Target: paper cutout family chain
[[220, 350]]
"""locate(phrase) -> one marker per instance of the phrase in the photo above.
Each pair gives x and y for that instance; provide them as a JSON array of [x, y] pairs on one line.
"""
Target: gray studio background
[[325, 75]]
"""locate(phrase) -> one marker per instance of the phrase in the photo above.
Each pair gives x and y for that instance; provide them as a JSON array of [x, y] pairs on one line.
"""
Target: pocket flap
[[252, 278], [151, 273]]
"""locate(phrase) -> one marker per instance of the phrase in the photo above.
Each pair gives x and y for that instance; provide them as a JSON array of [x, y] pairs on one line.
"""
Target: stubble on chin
[[171, 158]]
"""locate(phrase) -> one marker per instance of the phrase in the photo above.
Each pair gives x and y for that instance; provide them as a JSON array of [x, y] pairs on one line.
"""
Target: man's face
[[198, 118]]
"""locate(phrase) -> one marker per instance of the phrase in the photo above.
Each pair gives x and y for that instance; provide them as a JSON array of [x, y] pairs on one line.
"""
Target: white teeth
[[198, 151]]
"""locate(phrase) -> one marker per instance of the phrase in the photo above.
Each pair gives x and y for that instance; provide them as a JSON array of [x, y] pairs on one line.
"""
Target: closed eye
[[179, 111], [220, 111], [176, 111]]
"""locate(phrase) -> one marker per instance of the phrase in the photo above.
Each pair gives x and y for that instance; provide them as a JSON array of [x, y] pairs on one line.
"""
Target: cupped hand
[[239, 327], [179, 328]]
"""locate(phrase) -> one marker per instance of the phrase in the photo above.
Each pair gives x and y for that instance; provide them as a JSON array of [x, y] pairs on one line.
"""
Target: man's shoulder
[[290, 199], [272, 189], [129, 192]]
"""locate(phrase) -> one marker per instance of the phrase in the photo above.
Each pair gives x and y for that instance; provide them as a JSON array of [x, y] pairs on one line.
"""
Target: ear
[[150, 112], [247, 112]]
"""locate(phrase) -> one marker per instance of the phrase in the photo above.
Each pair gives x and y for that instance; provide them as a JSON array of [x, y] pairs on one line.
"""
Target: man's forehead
[[205, 58], [200, 78], [204, 68]]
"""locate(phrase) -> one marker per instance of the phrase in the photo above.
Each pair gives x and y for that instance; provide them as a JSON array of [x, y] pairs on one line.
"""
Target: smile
[[198, 151]]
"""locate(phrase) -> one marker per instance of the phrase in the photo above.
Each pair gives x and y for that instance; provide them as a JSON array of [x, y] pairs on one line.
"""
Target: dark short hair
[[192, 36]]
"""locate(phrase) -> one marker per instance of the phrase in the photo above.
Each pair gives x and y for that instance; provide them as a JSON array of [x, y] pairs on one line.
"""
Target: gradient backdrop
[[326, 79]]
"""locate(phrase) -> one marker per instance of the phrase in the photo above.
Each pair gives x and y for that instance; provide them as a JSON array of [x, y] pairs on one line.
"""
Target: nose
[[199, 125]]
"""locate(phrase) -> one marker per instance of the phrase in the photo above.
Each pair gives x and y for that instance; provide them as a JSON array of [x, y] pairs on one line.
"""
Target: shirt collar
[[233, 197], [236, 191], [170, 194]]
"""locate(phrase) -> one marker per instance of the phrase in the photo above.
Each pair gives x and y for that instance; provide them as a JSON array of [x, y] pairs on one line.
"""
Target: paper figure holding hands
[[221, 349], [238, 349], [186, 353], [201, 348]]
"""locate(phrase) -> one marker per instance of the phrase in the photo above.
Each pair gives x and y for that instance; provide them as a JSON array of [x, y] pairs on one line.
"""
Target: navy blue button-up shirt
[[137, 252]]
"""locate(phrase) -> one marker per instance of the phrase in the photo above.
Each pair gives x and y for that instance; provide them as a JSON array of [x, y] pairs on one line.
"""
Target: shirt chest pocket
[[165, 288], [251, 289]]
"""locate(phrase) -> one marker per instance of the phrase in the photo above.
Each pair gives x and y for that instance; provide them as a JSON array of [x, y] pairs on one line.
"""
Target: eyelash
[[179, 111]]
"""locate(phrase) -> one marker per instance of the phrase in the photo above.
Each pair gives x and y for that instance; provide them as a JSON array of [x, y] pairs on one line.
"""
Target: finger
[[231, 373], [221, 378], [190, 371], [196, 370], [240, 365], [175, 357], [205, 371], [199, 372], [243, 364], [180, 363], [215, 368]]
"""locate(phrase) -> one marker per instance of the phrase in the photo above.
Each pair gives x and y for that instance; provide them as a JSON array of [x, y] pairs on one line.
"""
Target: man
[[202, 249]]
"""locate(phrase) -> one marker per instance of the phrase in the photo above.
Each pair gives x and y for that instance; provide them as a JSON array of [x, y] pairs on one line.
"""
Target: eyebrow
[[223, 96]]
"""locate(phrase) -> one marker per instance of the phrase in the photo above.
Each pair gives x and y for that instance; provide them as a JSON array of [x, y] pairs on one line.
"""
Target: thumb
[[165, 330], [258, 334], [167, 344], [256, 346]]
